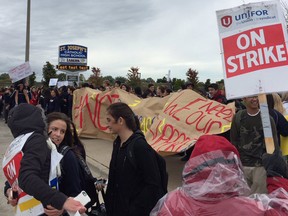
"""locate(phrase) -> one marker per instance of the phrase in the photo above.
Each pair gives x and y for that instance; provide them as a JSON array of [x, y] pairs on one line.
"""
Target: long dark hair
[[120, 109], [80, 149], [68, 140]]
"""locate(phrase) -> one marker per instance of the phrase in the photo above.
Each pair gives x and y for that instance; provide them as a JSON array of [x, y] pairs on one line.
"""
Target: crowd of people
[[55, 99], [227, 174], [50, 99]]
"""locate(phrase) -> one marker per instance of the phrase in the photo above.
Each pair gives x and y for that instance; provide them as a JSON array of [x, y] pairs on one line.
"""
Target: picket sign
[[265, 118]]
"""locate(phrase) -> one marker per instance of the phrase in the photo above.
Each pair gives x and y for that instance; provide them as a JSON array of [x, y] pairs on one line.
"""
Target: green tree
[[121, 79], [192, 76], [96, 78], [48, 73], [4, 76], [110, 78], [62, 76], [177, 84], [82, 78], [150, 80], [163, 80], [134, 77], [32, 78], [5, 80]]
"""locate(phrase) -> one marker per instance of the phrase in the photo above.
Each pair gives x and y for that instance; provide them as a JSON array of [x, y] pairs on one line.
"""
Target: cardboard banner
[[20, 72], [253, 41], [170, 124]]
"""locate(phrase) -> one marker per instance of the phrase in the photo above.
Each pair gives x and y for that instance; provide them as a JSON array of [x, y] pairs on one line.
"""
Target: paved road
[[98, 157], [5, 139]]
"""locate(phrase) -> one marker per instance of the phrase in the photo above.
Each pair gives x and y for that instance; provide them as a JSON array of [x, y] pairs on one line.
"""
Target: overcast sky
[[154, 35]]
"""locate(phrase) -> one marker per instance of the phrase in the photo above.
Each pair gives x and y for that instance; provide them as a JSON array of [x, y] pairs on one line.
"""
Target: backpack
[[238, 116], [159, 159], [89, 179]]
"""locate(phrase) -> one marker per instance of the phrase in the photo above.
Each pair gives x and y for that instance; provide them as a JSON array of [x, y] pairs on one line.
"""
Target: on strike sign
[[254, 49]]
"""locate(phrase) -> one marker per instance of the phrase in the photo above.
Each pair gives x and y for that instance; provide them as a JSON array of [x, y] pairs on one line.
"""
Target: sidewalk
[[5, 139], [98, 158]]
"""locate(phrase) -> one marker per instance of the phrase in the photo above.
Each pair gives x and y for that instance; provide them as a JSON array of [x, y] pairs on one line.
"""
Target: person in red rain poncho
[[214, 184]]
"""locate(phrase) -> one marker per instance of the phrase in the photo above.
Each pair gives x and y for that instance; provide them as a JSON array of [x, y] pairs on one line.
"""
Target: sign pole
[[265, 117]]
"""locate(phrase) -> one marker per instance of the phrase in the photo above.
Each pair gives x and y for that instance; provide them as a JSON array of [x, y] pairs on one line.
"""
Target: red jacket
[[273, 183], [214, 184]]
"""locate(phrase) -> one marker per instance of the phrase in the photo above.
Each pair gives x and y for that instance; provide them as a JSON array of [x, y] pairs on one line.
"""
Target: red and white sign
[[254, 49], [11, 169]]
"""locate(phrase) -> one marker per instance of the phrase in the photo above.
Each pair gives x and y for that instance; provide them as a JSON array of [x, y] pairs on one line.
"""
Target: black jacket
[[72, 178], [280, 122], [53, 105], [35, 164], [130, 191]]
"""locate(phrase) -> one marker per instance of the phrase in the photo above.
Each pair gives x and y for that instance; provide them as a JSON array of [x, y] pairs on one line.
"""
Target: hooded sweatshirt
[[35, 164]]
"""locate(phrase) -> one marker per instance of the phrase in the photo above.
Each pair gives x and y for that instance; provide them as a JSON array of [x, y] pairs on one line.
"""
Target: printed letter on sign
[[255, 49]]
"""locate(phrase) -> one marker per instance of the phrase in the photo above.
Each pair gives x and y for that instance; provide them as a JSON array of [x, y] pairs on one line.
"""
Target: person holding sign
[[21, 95], [247, 135], [29, 165]]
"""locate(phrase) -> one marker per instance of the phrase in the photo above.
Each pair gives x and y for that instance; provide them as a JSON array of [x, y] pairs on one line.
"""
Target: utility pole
[[28, 31]]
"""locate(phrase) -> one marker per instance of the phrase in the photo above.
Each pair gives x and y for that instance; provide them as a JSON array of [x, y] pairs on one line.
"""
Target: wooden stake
[[265, 117]]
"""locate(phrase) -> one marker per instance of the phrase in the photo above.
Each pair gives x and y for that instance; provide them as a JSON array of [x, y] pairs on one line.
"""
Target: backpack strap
[[64, 150], [84, 166], [130, 151], [238, 117], [81, 160]]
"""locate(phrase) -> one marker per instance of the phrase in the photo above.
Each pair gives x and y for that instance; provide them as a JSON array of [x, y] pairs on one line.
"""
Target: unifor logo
[[226, 21]]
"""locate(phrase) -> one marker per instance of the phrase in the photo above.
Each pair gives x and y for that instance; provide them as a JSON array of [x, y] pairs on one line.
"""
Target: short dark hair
[[118, 82], [189, 84], [85, 85], [214, 86]]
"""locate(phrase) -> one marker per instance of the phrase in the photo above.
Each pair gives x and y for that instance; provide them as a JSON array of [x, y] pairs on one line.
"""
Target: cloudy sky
[[154, 35]]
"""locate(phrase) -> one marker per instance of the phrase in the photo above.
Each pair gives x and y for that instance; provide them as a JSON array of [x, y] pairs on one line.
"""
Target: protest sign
[[62, 83], [20, 72], [53, 81], [170, 124], [253, 43]]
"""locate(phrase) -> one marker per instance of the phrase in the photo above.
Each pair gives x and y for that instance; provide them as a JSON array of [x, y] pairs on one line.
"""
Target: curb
[[98, 169]]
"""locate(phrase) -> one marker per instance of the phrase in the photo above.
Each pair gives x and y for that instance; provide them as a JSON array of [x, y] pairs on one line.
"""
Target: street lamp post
[[28, 31]]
